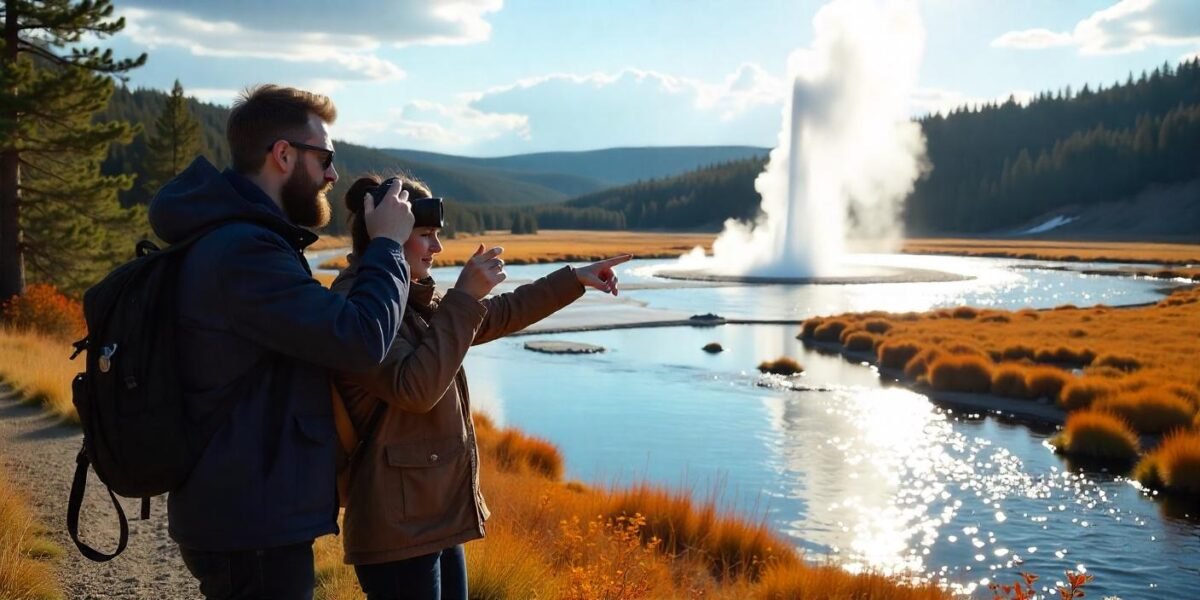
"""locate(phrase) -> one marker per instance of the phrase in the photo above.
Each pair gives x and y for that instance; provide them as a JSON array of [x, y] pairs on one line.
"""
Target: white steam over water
[[848, 151]]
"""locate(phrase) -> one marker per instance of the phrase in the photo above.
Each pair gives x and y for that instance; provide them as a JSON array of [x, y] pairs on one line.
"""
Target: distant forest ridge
[[481, 191], [998, 167]]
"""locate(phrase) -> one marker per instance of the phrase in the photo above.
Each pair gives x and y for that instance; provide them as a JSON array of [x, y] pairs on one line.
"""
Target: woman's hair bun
[[358, 190]]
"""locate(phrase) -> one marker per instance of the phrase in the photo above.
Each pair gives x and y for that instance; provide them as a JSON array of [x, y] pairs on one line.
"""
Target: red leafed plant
[[44, 309], [1023, 589]]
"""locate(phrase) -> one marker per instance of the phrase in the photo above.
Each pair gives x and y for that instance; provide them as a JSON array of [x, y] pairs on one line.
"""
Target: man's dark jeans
[[438, 576], [284, 573]]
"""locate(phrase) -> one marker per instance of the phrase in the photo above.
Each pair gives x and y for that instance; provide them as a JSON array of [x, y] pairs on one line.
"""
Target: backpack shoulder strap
[[75, 503]]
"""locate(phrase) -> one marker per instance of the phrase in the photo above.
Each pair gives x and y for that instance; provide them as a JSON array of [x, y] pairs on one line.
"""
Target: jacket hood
[[201, 196]]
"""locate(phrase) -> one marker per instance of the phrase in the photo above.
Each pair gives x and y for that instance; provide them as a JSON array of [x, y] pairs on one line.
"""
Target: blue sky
[[496, 77]]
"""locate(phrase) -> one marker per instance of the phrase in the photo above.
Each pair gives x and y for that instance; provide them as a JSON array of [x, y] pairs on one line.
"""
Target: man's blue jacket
[[256, 335]]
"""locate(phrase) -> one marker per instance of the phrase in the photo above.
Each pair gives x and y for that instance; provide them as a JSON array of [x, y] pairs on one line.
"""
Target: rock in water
[[554, 347]]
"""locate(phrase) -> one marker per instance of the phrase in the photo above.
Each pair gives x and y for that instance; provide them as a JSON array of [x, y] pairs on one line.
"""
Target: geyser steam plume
[[848, 151]]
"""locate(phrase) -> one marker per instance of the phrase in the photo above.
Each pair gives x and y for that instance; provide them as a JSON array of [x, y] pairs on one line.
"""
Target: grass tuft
[[1008, 380], [1098, 434], [861, 341], [24, 572], [784, 365], [961, 373], [1174, 466], [895, 354], [1150, 411], [1084, 392]]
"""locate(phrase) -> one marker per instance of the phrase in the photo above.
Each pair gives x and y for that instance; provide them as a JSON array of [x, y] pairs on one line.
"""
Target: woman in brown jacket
[[414, 495]]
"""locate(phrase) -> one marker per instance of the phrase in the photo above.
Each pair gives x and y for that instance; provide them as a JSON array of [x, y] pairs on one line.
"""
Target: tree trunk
[[12, 259]]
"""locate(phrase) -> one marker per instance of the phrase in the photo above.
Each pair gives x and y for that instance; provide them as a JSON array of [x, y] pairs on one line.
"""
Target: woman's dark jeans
[[284, 573], [438, 576]]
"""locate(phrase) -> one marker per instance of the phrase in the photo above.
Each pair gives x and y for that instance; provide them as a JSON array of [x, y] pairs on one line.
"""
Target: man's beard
[[304, 200]]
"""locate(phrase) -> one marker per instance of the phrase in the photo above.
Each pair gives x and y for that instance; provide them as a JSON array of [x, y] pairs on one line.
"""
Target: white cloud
[[1127, 26], [582, 111], [330, 46], [398, 22], [1032, 39], [346, 58]]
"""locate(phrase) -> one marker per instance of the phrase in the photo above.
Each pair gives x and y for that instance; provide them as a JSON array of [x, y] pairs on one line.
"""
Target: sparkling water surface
[[857, 469]]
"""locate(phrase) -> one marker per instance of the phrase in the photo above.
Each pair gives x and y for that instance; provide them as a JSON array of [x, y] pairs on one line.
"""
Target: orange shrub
[[1174, 466], [965, 312], [809, 328], [1046, 382], [1009, 381], [830, 331], [1151, 411], [957, 373], [918, 365], [1085, 391], [784, 365], [1098, 434], [44, 309], [879, 326], [895, 354], [861, 341]]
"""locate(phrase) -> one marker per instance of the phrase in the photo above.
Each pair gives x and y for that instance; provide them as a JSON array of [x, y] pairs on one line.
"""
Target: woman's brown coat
[[415, 488]]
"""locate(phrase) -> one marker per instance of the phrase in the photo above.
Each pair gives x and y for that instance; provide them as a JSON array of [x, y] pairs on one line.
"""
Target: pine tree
[[176, 141], [58, 214]]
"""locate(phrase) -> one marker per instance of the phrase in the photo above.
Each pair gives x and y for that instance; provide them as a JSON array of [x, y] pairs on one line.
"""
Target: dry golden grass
[[1174, 466], [516, 451], [25, 573], [829, 583], [1137, 362], [564, 246], [38, 367], [549, 539], [1098, 434], [1172, 254]]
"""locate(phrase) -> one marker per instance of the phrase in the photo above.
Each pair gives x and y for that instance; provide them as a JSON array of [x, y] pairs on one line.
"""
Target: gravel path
[[39, 455]]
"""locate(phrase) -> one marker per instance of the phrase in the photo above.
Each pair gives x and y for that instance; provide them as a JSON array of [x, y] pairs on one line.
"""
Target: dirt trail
[[39, 455]]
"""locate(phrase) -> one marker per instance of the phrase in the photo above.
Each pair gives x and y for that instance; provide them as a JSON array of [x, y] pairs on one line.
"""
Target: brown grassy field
[[1135, 365], [565, 246], [25, 572], [1167, 254]]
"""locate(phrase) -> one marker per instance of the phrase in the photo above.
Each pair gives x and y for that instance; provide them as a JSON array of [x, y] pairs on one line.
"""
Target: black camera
[[428, 211]]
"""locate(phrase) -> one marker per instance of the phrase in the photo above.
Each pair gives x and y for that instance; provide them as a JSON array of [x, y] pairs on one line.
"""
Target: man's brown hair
[[266, 113]]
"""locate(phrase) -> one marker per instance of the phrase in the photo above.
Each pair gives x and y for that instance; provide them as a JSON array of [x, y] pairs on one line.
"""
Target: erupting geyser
[[848, 153]]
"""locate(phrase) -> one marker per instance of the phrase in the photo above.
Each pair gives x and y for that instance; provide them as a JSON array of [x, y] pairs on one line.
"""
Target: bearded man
[[256, 335]]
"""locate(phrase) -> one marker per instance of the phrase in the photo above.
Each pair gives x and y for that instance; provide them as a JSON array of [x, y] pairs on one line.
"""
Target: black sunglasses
[[325, 164]]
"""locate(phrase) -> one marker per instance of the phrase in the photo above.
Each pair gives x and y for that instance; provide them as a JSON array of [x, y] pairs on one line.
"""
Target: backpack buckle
[[80, 346]]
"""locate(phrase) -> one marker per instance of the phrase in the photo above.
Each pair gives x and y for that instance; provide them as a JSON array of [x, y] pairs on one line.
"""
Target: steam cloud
[[848, 152]]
